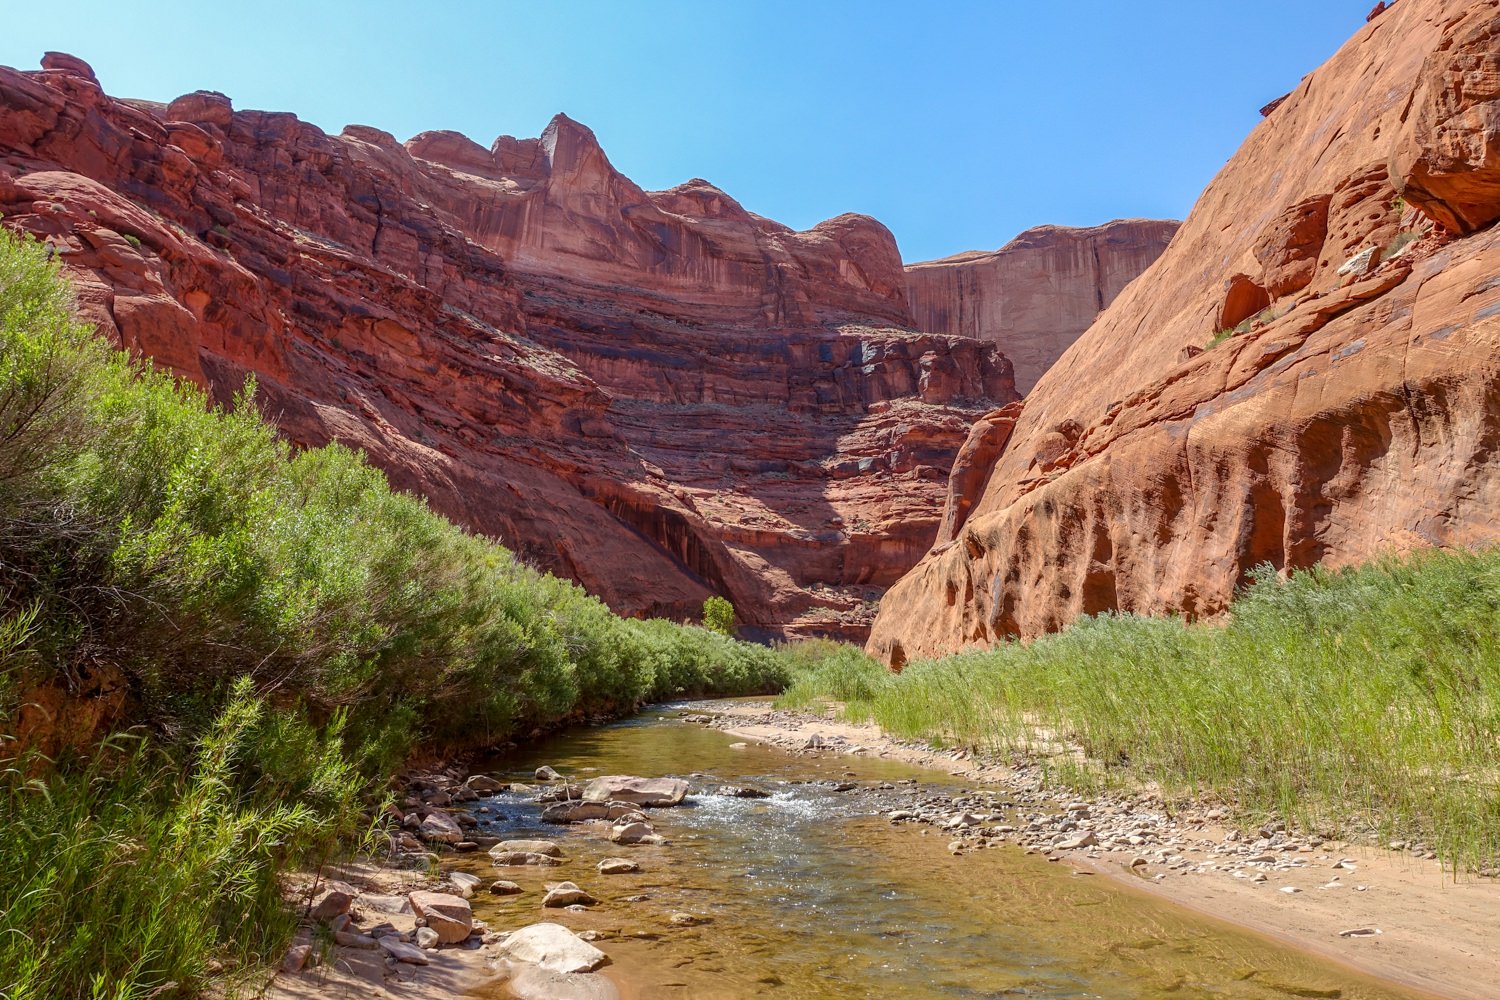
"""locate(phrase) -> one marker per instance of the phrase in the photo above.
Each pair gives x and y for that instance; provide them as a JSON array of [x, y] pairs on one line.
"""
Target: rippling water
[[812, 894]]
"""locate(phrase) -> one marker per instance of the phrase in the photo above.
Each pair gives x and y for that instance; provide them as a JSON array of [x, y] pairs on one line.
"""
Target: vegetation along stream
[[812, 892]]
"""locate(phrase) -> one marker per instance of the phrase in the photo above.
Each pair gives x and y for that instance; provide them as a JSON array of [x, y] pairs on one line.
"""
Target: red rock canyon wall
[[1348, 249], [658, 394], [1034, 296]]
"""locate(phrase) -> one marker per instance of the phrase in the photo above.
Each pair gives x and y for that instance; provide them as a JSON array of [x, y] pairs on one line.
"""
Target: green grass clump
[[1362, 701]]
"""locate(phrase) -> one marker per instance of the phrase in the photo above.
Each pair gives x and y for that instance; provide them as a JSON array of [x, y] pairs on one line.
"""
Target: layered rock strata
[[1034, 296], [1309, 374], [657, 394]]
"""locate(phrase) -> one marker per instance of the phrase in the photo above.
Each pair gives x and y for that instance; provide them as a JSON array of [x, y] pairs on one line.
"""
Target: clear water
[[813, 894]]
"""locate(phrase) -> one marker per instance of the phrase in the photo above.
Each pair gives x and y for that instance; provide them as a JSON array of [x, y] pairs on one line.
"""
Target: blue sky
[[957, 124]]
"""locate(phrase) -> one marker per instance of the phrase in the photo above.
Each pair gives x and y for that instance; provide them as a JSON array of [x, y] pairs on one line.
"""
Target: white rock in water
[[634, 833], [567, 894], [546, 847], [547, 773], [636, 791], [553, 947]]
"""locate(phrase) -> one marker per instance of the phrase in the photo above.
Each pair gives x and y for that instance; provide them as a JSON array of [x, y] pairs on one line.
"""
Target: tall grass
[[128, 877], [1364, 701]]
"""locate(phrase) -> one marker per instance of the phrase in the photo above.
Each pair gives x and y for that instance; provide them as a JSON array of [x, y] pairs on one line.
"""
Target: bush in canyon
[[1364, 700], [718, 615], [281, 610]]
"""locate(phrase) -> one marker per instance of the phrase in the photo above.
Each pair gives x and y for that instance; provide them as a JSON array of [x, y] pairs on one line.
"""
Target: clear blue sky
[[957, 124]]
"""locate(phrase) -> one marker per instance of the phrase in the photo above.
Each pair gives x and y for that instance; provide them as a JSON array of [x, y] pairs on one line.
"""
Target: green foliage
[[184, 547], [718, 615], [126, 875], [189, 546], [132, 239], [1363, 700]]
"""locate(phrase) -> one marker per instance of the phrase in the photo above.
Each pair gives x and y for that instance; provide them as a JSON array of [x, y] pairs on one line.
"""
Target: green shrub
[[190, 549], [718, 615], [127, 876]]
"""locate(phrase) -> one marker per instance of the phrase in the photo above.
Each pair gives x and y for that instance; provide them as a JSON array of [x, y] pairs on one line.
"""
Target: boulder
[[467, 884], [546, 847], [652, 792], [449, 915], [516, 859], [441, 828], [332, 902], [547, 773], [617, 866], [634, 833], [567, 894], [402, 951], [552, 947], [579, 812], [504, 887], [483, 784]]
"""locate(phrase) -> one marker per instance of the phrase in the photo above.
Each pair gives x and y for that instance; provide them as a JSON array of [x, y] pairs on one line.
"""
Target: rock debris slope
[[658, 394], [1034, 296], [1345, 268]]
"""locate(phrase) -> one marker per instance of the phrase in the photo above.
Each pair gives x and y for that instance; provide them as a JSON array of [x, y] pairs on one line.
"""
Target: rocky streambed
[[664, 857]]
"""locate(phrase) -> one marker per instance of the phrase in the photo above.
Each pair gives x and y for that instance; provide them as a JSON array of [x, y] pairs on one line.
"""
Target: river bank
[[1392, 913], [814, 860]]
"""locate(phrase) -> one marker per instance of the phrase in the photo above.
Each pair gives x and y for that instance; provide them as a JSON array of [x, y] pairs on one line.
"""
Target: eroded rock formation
[[658, 394], [1310, 373], [1035, 295]]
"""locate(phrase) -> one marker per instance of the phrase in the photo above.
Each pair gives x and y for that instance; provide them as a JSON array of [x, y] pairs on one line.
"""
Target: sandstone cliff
[[1035, 295], [1343, 267], [658, 394]]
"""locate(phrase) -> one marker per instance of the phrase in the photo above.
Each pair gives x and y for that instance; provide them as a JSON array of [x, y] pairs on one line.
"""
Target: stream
[[812, 893]]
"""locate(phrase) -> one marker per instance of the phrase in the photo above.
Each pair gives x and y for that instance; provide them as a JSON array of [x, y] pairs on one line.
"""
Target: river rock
[[503, 887], [653, 792], [547, 773], [552, 947], [617, 866], [402, 951], [445, 913], [531, 982], [634, 833], [575, 812], [516, 859], [741, 792], [546, 847], [439, 827], [427, 939], [467, 884], [567, 792], [567, 894], [483, 784], [334, 901]]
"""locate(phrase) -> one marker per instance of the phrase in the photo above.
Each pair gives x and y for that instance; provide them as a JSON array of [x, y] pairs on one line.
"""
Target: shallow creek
[[812, 893]]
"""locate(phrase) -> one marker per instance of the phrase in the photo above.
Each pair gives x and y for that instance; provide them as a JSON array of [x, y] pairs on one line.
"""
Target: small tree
[[718, 615]]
